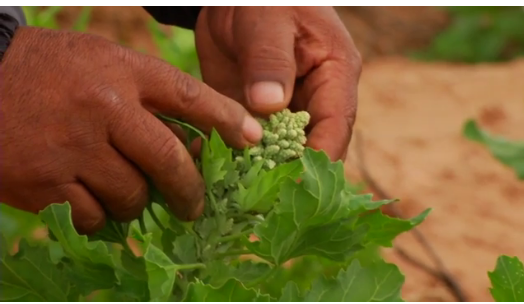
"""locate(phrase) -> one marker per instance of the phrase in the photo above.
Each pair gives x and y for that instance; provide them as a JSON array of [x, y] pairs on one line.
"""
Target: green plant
[[510, 153], [46, 17], [318, 218], [507, 279], [479, 34]]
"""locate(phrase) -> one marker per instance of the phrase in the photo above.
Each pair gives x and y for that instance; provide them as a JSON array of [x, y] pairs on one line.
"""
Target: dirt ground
[[410, 117]]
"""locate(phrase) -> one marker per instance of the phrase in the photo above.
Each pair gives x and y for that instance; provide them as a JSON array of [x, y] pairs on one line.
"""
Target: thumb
[[267, 61]]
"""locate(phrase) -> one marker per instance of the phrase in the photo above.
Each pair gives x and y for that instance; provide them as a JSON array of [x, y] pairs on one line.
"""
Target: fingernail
[[266, 93], [252, 129], [198, 210]]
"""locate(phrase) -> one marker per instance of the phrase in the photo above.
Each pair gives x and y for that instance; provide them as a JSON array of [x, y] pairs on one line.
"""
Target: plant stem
[[262, 278], [235, 236], [190, 266], [155, 218], [231, 253], [142, 224]]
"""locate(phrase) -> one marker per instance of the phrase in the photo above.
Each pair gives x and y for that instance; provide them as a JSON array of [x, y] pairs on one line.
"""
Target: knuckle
[[270, 58], [189, 91], [167, 156], [89, 225], [133, 204]]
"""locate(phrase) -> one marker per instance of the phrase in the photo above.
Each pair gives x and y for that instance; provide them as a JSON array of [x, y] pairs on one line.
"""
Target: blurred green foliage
[[479, 34]]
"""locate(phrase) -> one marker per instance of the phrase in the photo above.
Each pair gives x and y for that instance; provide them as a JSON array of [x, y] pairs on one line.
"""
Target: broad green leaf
[[231, 291], [291, 293], [264, 189], [380, 282], [319, 216], [30, 276], [185, 249], [91, 261], [133, 278], [507, 280], [16, 223], [507, 152], [383, 229], [161, 271]]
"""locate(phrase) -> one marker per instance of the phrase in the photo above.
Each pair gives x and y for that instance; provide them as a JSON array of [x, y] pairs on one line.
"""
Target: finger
[[177, 130], [267, 58], [160, 155], [116, 183], [86, 212], [332, 105], [164, 89]]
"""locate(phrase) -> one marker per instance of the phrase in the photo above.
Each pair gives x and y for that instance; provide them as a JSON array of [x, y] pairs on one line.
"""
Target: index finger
[[169, 91], [330, 92]]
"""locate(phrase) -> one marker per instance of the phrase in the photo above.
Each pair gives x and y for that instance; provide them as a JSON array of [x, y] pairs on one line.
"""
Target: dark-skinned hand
[[270, 58], [77, 124]]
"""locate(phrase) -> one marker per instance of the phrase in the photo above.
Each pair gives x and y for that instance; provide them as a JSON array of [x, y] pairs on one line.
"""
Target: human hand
[[77, 125], [249, 53]]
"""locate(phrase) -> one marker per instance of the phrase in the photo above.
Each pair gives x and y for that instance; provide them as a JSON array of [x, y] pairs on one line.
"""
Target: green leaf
[[217, 160], [184, 249], [507, 280], [291, 293], [161, 271], [231, 291], [112, 232], [264, 189], [380, 282], [217, 272], [31, 276], [507, 152], [383, 229], [319, 216], [91, 261]]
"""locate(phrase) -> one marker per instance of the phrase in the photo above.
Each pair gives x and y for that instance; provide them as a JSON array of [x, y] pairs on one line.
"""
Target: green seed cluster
[[284, 138]]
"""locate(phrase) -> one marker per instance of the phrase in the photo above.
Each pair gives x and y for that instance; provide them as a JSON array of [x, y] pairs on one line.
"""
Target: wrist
[[8, 26]]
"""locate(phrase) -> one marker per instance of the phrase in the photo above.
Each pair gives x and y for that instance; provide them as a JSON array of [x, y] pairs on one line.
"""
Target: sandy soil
[[410, 117]]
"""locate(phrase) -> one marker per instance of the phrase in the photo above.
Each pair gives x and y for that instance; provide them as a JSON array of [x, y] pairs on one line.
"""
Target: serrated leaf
[[380, 282], [217, 273], [383, 229], [319, 216], [264, 189], [161, 271], [507, 152], [216, 159], [31, 276], [91, 261], [231, 291], [185, 249], [507, 280], [291, 293]]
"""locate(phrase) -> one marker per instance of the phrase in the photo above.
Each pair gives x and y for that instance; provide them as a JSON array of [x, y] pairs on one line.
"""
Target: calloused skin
[[77, 111]]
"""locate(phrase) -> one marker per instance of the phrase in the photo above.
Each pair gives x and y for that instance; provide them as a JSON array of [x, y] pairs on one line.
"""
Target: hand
[[269, 58], [77, 126]]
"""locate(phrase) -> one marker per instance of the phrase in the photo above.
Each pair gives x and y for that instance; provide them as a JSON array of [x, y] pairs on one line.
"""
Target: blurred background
[[427, 70]]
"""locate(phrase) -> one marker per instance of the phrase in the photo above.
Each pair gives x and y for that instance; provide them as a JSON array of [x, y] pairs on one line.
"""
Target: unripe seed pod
[[256, 151], [284, 144], [272, 150]]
